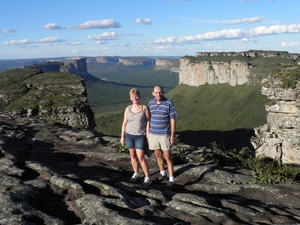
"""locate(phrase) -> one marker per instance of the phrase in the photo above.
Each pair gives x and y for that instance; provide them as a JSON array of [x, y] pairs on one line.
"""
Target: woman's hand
[[122, 141]]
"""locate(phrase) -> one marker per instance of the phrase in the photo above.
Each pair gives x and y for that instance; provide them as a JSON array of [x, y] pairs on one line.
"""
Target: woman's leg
[[134, 160], [143, 162]]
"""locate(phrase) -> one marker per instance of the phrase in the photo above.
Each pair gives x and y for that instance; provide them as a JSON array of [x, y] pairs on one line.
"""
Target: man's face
[[157, 93]]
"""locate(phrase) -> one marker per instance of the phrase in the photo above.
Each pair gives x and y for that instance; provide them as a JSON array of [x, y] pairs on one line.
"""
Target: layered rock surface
[[54, 175], [280, 138]]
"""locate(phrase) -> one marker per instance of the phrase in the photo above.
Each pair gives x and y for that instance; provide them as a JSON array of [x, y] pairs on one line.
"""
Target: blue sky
[[67, 28]]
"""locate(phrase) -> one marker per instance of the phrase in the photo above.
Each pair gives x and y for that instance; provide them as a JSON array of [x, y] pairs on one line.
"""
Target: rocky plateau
[[52, 172], [58, 175]]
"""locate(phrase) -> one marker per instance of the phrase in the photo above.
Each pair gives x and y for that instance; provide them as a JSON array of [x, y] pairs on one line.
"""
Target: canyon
[[56, 170], [278, 139]]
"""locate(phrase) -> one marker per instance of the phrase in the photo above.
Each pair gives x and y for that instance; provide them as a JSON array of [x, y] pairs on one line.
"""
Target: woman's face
[[134, 98]]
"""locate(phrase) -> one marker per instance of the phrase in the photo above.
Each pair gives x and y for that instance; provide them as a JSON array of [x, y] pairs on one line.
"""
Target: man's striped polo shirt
[[161, 115]]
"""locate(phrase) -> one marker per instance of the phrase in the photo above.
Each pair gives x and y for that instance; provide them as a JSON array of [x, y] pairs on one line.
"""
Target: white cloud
[[102, 37], [76, 43], [28, 41], [245, 20], [291, 44], [98, 24], [276, 29], [135, 34], [9, 30], [122, 45], [143, 22], [231, 34], [244, 40], [99, 42], [50, 40], [18, 42], [52, 26]]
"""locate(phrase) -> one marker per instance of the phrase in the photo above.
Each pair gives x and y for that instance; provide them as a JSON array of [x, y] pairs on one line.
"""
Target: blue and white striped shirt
[[161, 115]]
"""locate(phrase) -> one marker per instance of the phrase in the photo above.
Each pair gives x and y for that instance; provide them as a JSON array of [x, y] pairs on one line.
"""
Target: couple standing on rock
[[154, 124]]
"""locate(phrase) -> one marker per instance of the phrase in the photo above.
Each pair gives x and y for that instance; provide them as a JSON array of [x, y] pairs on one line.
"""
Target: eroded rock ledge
[[55, 175], [56, 97], [279, 138]]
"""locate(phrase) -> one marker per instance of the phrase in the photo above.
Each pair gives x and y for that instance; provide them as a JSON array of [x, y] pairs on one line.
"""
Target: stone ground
[[55, 175]]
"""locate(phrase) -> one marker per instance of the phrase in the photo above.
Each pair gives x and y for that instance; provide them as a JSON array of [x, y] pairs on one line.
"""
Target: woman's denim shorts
[[134, 141]]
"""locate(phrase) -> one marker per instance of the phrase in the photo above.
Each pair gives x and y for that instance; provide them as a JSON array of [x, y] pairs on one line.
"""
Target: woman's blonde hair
[[134, 91]]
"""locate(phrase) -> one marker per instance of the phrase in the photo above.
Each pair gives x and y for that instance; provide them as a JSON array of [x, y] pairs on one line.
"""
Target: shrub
[[122, 149], [288, 74]]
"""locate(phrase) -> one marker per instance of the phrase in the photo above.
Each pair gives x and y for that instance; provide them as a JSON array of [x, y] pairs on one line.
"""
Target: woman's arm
[[147, 113], [125, 120]]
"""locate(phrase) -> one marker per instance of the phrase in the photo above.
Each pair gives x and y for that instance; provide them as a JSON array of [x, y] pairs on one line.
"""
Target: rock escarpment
[[233, 68], [167, 64], [55, 97], [210, 72], [137, 61], [280, 137], [75, 65], [159, 63], [54, 175]]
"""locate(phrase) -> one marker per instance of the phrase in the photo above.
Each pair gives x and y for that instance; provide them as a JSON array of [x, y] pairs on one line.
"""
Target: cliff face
[[280, 137], [137, 62], [77, 66], [234, 68], [55, 97], [167, 64], [210, 72], [103, 59]]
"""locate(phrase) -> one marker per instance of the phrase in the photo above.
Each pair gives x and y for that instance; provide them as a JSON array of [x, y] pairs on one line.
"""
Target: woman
[[133, 135]]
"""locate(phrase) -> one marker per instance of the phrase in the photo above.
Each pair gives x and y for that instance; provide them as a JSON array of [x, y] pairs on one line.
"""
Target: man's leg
[[167, 155], [159, 159]]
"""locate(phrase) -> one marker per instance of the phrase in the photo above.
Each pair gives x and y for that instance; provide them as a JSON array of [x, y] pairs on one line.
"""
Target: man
[[161, 131]]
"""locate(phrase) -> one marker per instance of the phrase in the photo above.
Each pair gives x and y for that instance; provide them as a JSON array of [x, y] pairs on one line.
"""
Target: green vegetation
[[144, 76], [122, 149], [218, 107], [264, 169], [29, 88], [271, 171], [289, 75]]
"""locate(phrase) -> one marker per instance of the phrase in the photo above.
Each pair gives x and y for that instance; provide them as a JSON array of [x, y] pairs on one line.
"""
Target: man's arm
[[173, 130]]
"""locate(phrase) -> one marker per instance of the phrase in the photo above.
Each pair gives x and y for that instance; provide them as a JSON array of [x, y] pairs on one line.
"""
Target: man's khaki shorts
[[157, 142]]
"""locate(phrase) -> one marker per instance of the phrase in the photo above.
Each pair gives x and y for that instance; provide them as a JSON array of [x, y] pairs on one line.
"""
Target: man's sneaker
[[147, 182], [134, 178], [161, 177]]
